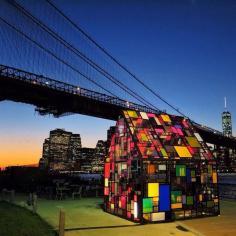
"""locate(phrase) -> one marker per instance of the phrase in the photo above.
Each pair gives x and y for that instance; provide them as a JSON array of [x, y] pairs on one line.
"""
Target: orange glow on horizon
[[21, 154], [18, 151]]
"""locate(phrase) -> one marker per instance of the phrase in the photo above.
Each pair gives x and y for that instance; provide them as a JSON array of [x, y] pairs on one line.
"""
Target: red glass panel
[[107, 170]]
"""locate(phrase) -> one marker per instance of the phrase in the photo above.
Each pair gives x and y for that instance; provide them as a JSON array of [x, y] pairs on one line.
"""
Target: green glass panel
[[147, 205], [189, 200], [192, 173], [163, 151], [180, 170], [176, 196]]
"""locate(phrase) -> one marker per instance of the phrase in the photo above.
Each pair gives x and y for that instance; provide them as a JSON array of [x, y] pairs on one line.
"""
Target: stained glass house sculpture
[[159, 169]]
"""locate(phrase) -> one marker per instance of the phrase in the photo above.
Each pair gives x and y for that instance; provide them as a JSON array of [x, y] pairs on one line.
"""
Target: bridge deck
[[59, 98]]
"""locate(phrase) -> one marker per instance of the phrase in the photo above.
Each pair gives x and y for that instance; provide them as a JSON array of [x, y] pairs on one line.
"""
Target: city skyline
[[29, 145], [63, 150], [191, 64]]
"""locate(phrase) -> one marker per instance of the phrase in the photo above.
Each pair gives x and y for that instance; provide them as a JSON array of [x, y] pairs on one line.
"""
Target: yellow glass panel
[[214, 177], [192, 141], [149, 151], [132, 130], [144, 137], [147, 216], [200, 197], [176, 205], [153, 189], [132, 114], [182, 151], [112, 206], [165, 118], [132, 204], [126, 114], [144, 115], [134, 123], [209, 167], [106, 182], [128, 207]]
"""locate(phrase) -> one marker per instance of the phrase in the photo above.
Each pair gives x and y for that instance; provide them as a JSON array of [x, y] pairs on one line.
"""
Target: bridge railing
[[10, 72], [207, 128], [211, 130]]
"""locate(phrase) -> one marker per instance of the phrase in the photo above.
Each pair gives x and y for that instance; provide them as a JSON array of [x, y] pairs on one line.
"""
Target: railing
[[18, 74], [41, 80], [206, 128]]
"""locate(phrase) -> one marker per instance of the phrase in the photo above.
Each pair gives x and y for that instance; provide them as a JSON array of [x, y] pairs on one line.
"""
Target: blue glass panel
[[164, 197], [188, 175]]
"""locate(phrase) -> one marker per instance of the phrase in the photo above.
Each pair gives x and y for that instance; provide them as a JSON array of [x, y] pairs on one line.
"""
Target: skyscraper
[[100, 152], [61, 150], [226, 121]]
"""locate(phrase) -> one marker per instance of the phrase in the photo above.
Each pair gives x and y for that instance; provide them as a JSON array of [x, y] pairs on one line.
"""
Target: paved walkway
[[223, 225], [85, 218]]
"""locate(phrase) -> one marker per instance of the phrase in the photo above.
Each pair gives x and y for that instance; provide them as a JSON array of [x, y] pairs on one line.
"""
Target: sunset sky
[[23, 132], [185, 50]]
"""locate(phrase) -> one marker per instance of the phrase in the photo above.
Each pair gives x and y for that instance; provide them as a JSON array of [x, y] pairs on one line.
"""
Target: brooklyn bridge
[[42, 67], [161, 165]]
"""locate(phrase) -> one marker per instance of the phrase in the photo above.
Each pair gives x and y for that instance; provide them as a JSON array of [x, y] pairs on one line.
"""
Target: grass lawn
[[18, 221]]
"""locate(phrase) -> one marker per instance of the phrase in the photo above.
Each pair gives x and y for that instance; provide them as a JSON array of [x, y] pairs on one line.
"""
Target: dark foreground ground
[[17, 221], [84, 217]]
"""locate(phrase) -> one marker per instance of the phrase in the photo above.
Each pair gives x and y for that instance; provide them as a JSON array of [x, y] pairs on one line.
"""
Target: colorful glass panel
[[162, 158], [182, 151], [164, 197], [193, 142], [189, 200], [165, 118], [180, 170], [153, 189], [147, 205]]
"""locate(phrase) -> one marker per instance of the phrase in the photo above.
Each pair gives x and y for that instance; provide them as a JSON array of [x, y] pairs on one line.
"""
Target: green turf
[[17, 221]]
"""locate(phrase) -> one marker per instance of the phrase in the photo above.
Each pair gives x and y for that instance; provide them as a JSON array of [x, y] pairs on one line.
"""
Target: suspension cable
[[113, 58], [55, 56], [70, 47]]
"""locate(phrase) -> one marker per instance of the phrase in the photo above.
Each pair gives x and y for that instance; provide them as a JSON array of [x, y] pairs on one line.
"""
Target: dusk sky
[[184, 50]]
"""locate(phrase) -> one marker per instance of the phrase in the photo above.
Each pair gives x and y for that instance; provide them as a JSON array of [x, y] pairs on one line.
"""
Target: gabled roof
[[165, 136]]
